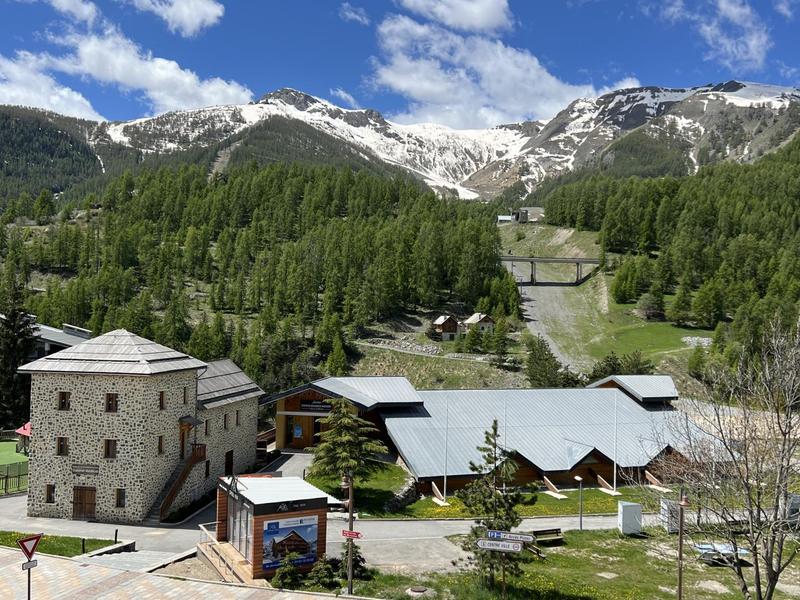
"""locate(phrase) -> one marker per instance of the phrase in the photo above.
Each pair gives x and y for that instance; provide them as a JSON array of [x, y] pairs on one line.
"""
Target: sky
[[462, 63]]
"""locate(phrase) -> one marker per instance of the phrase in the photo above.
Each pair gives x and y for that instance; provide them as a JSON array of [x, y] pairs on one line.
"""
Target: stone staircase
[[174, 483]]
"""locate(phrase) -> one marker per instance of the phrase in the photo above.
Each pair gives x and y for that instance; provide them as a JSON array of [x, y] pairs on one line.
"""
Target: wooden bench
[[548, 535]]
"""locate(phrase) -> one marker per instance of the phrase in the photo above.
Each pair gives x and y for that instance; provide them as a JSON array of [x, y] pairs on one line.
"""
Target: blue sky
[[464, 63]]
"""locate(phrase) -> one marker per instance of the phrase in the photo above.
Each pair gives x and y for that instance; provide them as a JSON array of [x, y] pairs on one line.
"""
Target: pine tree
[[472, 341], [680, 309], [16, 347], [336, 364], [346, 446], [542, 366], [492, 496]]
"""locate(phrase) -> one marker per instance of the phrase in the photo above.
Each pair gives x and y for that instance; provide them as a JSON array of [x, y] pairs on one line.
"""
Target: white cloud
[[354, 14], [79, 10], [786, 7], [22, 83], [345, 97], [467, 81], [111, 58], [467, 15], [734, 33], [187, 17]]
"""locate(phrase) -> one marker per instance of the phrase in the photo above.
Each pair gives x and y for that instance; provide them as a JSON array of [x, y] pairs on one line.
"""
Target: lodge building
[[555, 433], [124, 429]]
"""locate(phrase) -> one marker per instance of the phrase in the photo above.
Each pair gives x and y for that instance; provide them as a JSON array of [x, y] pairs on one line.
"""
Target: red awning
[[25, 430]]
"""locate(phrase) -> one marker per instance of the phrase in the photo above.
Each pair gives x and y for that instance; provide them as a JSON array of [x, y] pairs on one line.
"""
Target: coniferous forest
[[725, 241], [293, 256]]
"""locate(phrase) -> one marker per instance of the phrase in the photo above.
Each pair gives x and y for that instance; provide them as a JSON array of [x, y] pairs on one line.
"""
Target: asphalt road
[[402, 546]]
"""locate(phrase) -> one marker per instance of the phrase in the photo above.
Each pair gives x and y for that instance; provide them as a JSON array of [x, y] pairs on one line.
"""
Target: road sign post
[[352, 535], [508, 536], [499, 545], [28, 546]]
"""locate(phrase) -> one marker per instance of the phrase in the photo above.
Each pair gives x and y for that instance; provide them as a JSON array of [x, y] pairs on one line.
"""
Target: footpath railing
[[13, 478]]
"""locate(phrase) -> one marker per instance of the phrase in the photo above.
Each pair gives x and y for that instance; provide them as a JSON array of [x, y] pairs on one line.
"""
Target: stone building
[[124, 429]]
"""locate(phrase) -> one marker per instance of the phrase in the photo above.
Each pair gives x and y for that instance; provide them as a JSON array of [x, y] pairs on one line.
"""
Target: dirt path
[[541, 307]]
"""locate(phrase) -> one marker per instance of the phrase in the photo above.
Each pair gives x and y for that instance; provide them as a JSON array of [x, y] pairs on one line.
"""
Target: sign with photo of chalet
[[290, 535]]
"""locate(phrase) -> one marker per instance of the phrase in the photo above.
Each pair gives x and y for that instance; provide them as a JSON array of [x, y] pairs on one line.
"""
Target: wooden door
[[302, 432], [83, 503], [183, 443], [229, 463]]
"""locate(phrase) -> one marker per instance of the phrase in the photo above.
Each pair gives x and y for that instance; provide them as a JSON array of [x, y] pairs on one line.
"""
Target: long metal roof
[[223, 382], [367, 392], [118, 352], [643, 387], [58, 336], [554, 429]]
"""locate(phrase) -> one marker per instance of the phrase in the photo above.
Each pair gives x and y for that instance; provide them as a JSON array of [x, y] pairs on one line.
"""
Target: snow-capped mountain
[[737, 121]]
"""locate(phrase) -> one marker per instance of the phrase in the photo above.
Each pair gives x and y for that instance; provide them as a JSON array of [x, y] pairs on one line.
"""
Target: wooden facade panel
[[222, 515]]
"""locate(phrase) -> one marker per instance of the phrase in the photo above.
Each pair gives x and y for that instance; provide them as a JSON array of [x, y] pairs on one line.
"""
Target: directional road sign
[[500, 545], [351, 534], [508, 536], [29, 544]]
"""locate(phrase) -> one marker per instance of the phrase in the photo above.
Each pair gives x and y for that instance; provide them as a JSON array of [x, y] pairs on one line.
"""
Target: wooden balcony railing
[[198, 455]]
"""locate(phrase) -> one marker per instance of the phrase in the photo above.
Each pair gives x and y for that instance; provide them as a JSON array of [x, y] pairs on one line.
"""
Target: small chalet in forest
[[446, 326], [481, 321]]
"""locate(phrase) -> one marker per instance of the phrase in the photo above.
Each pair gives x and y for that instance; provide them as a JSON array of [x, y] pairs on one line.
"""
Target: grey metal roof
[[371, 392], [118, 352], [552, 429], [223, 382], [260, 489], [643, 387], [58, 336]]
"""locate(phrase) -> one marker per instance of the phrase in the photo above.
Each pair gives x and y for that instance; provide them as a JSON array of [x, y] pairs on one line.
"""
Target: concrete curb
[[123, 546], [171, 559]]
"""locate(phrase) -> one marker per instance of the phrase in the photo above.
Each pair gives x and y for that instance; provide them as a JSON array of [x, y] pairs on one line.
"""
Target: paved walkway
[[291, 464], [55, 578], [141, 560], [13, 517], [401, 546]]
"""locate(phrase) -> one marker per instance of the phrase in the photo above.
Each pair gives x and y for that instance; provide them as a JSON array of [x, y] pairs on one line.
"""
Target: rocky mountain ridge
[[729, 121]]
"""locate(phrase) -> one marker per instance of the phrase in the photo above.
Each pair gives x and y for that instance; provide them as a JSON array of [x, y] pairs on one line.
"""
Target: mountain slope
[[648, 131]]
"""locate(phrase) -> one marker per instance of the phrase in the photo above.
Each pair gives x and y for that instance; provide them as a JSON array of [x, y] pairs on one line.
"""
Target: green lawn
[[601, 565], [601, 325], [8, 454], [54, 544], [370, 495], [594, 502]]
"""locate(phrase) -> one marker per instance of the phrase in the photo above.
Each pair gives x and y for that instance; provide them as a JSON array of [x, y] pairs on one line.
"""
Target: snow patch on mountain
[[470, 162]]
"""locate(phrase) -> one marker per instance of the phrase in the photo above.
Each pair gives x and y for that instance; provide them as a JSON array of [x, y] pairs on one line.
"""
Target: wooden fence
[[14, 477]]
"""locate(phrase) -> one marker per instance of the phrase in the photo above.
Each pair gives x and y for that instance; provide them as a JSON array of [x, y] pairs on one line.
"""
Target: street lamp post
[[579, 479], [681, 507]]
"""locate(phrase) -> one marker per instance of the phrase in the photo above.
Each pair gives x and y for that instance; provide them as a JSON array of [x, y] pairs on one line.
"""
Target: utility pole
[[349, 479]]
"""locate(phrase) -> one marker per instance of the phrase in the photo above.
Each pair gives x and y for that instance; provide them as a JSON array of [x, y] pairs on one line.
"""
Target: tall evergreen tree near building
[[347, 446], [16, 347], [492, 495]]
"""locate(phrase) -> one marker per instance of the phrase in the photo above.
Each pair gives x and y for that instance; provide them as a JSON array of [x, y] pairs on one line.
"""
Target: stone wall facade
[[241, 439], [139, 468]]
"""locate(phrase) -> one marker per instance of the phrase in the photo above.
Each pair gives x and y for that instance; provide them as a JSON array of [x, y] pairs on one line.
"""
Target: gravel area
[[192, 568]]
